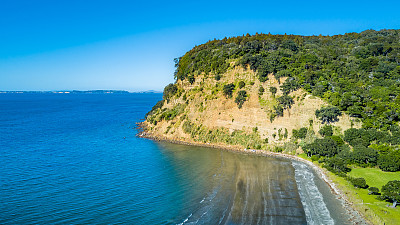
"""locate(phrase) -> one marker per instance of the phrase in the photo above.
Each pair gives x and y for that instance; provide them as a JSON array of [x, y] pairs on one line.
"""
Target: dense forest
[[356, 73]]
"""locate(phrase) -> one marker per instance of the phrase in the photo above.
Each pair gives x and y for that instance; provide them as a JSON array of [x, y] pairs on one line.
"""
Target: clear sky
[[130, 45]]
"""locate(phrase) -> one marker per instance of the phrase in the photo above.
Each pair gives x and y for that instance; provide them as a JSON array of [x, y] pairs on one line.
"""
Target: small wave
[[202, 200], [311, 198], [185, 220]]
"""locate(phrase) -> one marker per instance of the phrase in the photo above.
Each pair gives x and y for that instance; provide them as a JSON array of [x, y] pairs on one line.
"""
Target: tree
[[364, 156], [169, 91], [228, 89], [356, 137], [323, 147], [391, 191], [337, 165], [373, 191], [326, 131], [328, 114], [359, 182], [285, 101], [389, 162], [301, 133], [241, 98], [273, 90], [289, 85]]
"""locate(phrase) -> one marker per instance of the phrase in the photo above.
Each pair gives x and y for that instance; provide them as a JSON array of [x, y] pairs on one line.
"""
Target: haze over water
[[75, 159]]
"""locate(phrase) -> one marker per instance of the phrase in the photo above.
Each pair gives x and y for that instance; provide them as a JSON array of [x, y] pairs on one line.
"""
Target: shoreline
[[355, 216]]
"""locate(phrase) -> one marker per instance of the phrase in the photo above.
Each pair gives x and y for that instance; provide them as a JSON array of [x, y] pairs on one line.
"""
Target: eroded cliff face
[[201, 112]]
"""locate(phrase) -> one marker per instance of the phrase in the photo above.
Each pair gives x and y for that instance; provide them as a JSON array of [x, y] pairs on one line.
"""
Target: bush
[[187, 127], [289, 85], [217, 77], [228, 90], [191, 79], [373, 191], [278, 149], [323, 147], [359, 182], [326, 131], [273, 90], [241, 84], [286, 101], [314, 158], [336, 165], [158, 105], [261, 90], [301, 133], [169, 91], [338, 140], [241, 98], [328, 114]]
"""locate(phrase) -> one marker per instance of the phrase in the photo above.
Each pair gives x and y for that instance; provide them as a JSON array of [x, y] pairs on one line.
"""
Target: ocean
[[76, 159]]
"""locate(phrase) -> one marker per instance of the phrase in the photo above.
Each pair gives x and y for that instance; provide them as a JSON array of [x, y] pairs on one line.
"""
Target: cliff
[[201, 112]]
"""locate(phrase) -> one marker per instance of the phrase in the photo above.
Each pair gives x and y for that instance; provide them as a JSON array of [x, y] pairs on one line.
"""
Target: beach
[[355, 216]]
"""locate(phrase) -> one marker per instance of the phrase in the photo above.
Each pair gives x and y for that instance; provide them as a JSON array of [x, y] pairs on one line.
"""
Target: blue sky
[[130, 45]]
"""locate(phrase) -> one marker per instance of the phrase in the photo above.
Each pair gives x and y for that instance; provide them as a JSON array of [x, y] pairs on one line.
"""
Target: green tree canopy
[[328, 114], [169, 91], [241, 98], [391, 191], [228, 90], [326, 131]]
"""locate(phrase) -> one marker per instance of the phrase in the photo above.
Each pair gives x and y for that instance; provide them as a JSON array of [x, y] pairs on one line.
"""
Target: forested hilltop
[[357, 72], [335, 98]]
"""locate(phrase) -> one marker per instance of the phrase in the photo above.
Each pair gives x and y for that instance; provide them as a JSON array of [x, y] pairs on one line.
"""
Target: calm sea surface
[[75, 159]]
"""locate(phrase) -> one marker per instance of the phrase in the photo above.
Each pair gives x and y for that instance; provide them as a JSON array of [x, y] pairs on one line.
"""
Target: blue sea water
[[75, 159]]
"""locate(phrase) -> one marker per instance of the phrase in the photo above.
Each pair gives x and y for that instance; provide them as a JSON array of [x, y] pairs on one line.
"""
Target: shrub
[[273, 90], [169, 91], [228, 90], [336, 165], [261, 90], [373, 191], [289, 85], [359, 182], [301, 133], [217, 77], [338, 140], [326, 131], [158, 105], [328, 114], [191, 79], [314, 158], [241, 84], [278, 149], [241, 98], [286, 101], [323, 147]]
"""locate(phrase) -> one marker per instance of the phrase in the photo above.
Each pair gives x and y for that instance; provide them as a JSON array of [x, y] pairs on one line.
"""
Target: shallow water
[[76, 159]]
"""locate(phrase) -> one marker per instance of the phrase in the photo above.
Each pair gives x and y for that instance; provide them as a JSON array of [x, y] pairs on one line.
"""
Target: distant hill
[[73, 92]]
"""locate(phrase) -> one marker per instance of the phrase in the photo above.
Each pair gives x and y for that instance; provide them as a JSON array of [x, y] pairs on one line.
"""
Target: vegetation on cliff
[[353, 77]]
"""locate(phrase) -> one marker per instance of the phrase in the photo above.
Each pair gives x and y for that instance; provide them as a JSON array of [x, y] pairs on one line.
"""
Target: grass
[[375, 210], [374, 176]]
